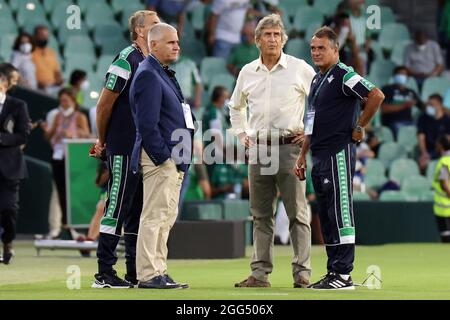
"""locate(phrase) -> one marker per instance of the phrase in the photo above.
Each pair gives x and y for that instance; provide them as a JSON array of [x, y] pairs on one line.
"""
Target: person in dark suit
[[163, 148], [14, 132]]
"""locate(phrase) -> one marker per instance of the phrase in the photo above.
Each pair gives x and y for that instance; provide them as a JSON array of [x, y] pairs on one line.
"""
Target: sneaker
[[252, 282], [132, 280], [333, 281], [8, 253], [170, 280], [110, 280], [158, 282]]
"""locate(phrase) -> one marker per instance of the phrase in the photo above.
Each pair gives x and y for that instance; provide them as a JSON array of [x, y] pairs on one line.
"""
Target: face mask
[[85, 85], [431, 111], [42, 43], [26, 48], [422, 47], [67, 112], [400, 79]]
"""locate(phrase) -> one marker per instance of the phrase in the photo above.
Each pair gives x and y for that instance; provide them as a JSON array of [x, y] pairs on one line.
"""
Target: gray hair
[[136, 20], [157, 31], [271, 21]]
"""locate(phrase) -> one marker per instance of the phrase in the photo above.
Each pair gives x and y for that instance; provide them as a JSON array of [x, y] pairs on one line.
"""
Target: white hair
[[157, 31], [271, 21]]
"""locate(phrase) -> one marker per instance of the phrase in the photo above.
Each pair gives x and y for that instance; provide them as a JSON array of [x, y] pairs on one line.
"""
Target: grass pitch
[[408, 271]]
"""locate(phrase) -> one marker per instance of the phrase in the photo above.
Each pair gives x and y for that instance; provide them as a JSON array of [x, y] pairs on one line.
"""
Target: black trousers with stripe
[[444, 228], [332, 179], [9, 208], [123, 209]]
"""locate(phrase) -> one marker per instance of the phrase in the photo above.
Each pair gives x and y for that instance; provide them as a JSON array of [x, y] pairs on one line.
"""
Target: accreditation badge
[[309, 123]]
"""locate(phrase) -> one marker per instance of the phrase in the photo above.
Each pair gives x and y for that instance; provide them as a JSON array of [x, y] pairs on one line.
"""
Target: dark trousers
[[59, 176], [9, 207], [444, 228], [332, 180], [123, 208]]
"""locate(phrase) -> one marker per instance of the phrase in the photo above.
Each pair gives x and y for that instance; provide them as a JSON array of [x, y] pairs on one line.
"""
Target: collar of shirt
[[2, 99], [166, 68], [281, 62]]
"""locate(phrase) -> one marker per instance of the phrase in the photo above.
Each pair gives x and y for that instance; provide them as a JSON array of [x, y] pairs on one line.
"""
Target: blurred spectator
[[397, 107], [79, 84], [12, 75], [245, 52], [229, 181], [423, 58], [48, 70], [358, 24], [21, 59], [170, 11], [225, 25], [447, 102], [68, 123], [431, 124], [348, 48], [190, 82], [266, 7], [215, 116]]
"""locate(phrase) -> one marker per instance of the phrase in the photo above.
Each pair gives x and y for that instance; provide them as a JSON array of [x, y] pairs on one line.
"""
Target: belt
[[281, 140]]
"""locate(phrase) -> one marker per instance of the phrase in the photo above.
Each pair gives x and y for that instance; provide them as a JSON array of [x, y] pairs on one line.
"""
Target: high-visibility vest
[[441, 199]]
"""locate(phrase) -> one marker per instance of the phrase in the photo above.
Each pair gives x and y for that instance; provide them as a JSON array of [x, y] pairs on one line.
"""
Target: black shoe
[[110, 280], [170, 280], [132, 280], [333, 281], [158, 282], [8, 253]]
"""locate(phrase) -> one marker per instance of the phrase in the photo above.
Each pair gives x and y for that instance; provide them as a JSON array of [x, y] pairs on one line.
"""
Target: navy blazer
[[14, 132], [156, 104]]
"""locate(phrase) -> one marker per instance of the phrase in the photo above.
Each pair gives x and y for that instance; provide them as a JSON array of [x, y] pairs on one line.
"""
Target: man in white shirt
[[273, 88], [225, 25]]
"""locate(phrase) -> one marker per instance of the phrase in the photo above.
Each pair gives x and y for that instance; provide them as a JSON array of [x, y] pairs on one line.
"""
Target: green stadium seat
[[64, 34], [361, 196], [435, 85], [35, 21], [15, 5], [290, 7], [393, 196], [375, 167], [382, 69], [86, 5], [393, 33], [412, 84], [407, 137], [120, 5], [427, 195], [384, 134], [79, 44], [430, 170], [223, 79], [400, 169], [326, 7], [99, 14], [106, 33], [114, 46], [30, 11], [103, 64], [376, 48], [235, 209], [390, 151], [374, 182], [398, 52], [198, 17], [387, 16], [58, 14], [6, 44], [194, 49], [211, 66], [372, 2], [414, 185], [312, 28], [5, 12], [49, 5], [80, 61], [129, 10], [201, 211], [299, 48], [305, 17]]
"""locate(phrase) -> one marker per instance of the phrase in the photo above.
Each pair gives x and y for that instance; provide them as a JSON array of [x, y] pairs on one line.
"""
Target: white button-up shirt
[[275, 99]]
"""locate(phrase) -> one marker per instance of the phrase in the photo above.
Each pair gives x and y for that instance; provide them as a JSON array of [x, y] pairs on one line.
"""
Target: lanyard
[[311, 107]]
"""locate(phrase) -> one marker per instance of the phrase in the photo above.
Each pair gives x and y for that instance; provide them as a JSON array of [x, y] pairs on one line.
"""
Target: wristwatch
[[359, 129]]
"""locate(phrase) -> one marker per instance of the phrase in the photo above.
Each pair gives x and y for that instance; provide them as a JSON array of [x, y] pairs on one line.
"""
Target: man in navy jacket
[[163, 147]]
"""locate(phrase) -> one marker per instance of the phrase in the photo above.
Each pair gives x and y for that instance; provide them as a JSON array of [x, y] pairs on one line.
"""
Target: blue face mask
[[431, 111], [400, 79]]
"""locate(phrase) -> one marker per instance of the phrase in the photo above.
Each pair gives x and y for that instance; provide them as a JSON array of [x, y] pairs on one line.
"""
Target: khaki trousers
[[162, 186], [263, 203]]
